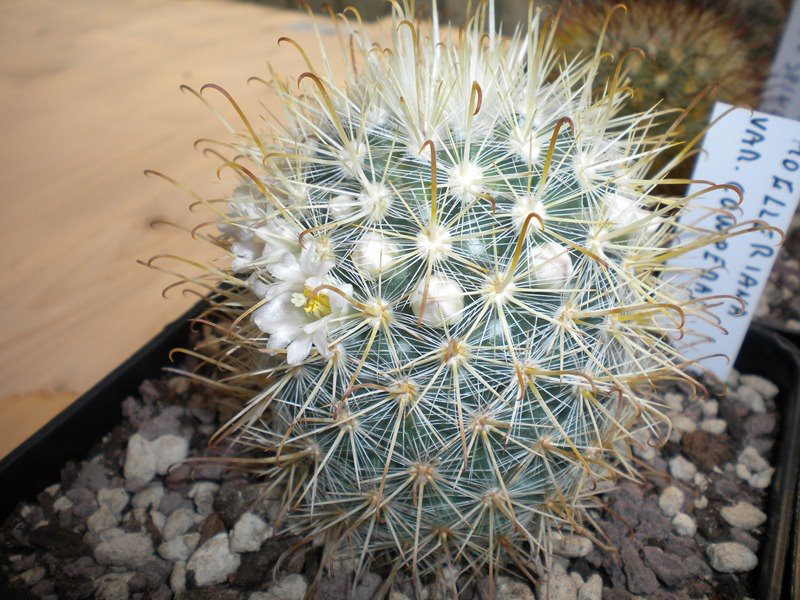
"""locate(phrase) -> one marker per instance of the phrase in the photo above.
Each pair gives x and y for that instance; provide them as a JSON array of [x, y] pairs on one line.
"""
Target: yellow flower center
[[316, 303]]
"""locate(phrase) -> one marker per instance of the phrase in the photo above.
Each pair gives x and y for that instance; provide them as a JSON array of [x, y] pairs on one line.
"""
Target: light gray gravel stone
[[684, 424], [177, 580], [508, 588], [683, 524], [213, 562], [674, 400], [714, 426], [249, 532], [149, 497], [761, 480], [682, 469], [32, 576], [742, 472], [100, 520], [179, 522], [731, 557], [62, 503], [671, 500], [113, 587], [556, 585], [180, 547], [765, 387], [743, 515], [159, 520], [592, 589], [131, 550], [291, 587], [114, 499], [140, 463], [572, 546], [169, 450], [203, 494], [710, 408], [751, 459]]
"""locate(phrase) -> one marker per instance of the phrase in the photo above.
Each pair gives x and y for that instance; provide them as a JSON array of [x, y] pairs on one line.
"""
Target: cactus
[[448, 297], [687, 48]]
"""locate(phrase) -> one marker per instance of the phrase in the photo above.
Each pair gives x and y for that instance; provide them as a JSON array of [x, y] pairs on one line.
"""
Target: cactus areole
[[448, 298]]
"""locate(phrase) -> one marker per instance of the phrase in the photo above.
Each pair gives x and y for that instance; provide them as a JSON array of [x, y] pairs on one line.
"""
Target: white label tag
[[781, 95], [759, 154]]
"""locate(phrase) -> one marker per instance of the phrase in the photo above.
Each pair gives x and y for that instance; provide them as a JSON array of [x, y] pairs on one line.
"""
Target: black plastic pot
[[37, 462], [793, 335]]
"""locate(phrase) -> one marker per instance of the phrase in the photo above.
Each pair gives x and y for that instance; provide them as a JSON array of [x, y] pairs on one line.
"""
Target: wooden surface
[[89, 99]]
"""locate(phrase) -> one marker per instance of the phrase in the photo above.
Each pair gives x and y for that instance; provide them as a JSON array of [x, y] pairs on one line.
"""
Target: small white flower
[[443, 303], [297, 315], [265, 244], [373, 253], [550, 265]]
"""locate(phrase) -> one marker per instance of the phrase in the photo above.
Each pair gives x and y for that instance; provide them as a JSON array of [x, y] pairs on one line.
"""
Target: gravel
[[743, 515], [572, 546], [249, 532], [140, 463], [555, 585], [683, 524], [671, 500], [731, 557], [213, 562], [682, 469], [130, 550], [138, 522]]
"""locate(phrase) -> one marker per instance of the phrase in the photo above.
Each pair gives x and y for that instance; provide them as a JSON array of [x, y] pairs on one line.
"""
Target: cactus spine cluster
[[449, 296]]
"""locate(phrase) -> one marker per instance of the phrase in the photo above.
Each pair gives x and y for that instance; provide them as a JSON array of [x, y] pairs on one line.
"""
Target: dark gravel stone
[[211, 526], [680, 545], [215, 593], [59, 541], [667, 567], [43, 588], [710, 524], [653, 524], [93, 476], [255, 570], [175, 500], [233, 499], [157, 572], [334, 586], [165, 422], [641, 580], [758, 425], [616, 594], [79, 495], [85, 566], [745, 539], [74, 588], [727, 587]]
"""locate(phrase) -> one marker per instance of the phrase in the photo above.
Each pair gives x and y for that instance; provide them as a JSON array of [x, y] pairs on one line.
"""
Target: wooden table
[[89, 99]]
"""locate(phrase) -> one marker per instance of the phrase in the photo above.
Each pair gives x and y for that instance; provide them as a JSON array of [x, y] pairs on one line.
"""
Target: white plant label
[[781, 95], [759, 154]]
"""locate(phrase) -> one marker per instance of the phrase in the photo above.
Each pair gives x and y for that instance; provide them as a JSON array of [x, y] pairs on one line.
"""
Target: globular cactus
[[687, 48], [449, 295]]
